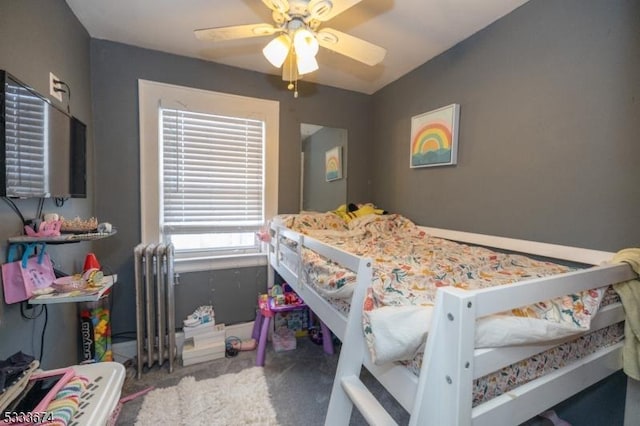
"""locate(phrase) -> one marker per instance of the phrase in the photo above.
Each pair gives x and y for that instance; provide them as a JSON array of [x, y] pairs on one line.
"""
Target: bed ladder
[[450, 403], [348, 390]]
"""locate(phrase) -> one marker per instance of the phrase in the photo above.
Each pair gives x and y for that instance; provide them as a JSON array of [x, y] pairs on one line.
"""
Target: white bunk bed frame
[[442, 394]]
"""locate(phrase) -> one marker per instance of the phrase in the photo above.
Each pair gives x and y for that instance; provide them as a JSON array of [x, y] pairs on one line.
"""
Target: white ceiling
[[412, 31]]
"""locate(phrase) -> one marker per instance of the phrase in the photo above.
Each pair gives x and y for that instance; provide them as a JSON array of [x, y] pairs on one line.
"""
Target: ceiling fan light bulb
[[305, 43], [306, 64], [276, 50]]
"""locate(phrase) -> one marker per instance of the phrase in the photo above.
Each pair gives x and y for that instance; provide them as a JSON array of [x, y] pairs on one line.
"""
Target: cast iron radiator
[[155, 306]]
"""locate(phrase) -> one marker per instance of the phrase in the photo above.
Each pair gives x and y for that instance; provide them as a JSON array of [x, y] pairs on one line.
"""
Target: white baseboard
[[123, 351], [242, 331]]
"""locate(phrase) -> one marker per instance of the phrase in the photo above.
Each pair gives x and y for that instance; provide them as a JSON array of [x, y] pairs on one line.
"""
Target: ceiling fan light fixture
[[276, 50], [306, 64], [305, 43]]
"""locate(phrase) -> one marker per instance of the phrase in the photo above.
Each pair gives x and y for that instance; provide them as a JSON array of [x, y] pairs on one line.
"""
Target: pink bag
[[21, 277]]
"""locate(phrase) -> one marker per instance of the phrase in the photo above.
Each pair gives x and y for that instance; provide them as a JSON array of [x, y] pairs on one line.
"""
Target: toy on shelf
[[44, 229], [91, 279], [91, 262], [78, 225]]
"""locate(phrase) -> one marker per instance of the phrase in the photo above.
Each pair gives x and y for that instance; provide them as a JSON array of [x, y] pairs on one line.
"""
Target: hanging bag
[[21, 277]]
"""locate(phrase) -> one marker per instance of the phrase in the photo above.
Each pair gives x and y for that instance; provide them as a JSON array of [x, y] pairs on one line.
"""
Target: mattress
[[499, 382]]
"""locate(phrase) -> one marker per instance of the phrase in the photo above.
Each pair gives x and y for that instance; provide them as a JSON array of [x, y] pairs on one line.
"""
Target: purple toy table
[[267, 309]]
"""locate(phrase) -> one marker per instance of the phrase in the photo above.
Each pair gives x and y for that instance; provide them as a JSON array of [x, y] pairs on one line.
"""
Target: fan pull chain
[[293, 84]]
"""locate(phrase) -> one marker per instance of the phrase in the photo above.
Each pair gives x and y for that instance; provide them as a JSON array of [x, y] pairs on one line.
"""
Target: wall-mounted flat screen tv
[[42, 148]]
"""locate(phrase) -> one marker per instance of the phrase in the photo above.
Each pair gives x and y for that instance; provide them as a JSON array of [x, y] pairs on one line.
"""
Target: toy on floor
[[235, 345], [244, 345]]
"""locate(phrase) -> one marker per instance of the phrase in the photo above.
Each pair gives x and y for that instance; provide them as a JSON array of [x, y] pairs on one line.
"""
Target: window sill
[[212, 263]]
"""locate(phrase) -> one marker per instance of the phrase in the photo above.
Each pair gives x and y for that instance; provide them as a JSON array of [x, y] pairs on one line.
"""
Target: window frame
[[152, 95]]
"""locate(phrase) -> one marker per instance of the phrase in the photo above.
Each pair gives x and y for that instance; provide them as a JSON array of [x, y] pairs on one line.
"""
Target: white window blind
[[212, 181], [220, 181], [25, 121]]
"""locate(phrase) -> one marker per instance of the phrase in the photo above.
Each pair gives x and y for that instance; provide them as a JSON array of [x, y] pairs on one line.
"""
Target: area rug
[[231, 399]]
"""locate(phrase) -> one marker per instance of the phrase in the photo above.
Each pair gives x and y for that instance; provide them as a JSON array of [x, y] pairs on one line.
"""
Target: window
[[26, 119], [208, 173]]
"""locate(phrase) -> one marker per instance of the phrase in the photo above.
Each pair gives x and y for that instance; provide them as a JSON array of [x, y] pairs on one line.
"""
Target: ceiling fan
[[298, 36]]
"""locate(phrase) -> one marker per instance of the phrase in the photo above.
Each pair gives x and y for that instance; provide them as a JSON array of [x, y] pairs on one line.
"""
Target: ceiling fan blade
[[353, 47], [280, 6], [235, 32], [323, 10]]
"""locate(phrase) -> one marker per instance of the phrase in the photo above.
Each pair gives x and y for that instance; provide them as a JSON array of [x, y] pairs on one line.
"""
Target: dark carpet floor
[[299, 383]]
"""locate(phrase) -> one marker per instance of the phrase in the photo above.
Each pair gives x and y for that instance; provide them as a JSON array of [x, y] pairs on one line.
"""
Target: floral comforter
[[409, 266]]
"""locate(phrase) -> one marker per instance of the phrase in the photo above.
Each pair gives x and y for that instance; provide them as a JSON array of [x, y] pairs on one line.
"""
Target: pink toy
[[264, 235], [45, 229]]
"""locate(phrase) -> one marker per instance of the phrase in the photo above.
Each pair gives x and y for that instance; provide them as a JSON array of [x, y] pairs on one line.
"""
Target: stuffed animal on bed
[[352, 211]]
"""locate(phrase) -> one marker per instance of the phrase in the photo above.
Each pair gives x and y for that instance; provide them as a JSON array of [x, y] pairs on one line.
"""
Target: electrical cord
[[44, 329], [43, 309], [15, 209], [60, 201], [24, 315], [40, 207], [18, 213], [68, 92]]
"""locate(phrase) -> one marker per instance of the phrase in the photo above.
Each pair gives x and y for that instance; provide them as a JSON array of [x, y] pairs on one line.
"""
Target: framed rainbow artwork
[[434, 137], [333, 164]]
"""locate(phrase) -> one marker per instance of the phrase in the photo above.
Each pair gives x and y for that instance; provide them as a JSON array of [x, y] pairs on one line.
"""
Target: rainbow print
[[432, 137], [333, 164], [433, 140]]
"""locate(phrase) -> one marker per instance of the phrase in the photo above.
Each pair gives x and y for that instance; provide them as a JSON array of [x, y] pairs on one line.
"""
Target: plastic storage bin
[[283, 340], [95, 331]]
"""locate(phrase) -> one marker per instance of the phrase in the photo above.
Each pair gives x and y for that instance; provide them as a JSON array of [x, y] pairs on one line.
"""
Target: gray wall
[[116, 69], [38, 37], [549, 130], [318, 194], [548, 143]]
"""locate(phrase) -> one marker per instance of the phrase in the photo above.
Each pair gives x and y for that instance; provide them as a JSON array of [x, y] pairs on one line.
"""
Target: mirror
[[323, 185]]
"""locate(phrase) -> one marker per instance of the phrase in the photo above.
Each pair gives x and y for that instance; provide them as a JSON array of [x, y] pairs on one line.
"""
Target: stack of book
[[203, 342]]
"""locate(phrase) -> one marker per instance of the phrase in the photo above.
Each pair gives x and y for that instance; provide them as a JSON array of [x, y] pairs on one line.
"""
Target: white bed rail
[[554, 251], [442, 394], [292, 274]]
